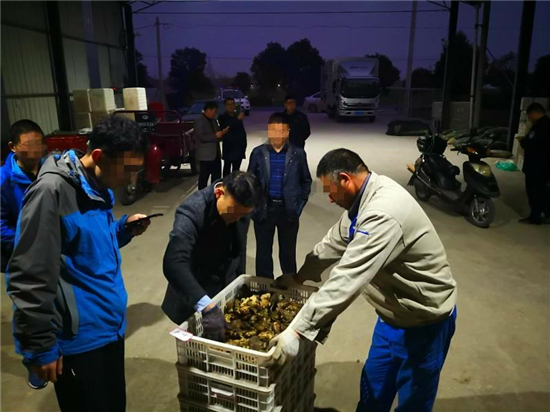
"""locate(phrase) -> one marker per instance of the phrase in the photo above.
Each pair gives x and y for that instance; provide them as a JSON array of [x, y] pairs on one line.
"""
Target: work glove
[[287, 345], [287, 281], [213, 324]]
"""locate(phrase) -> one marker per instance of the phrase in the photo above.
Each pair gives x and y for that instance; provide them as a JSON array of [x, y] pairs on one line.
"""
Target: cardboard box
[[102, 100], [83, 121], [81, 100], [135, 98]]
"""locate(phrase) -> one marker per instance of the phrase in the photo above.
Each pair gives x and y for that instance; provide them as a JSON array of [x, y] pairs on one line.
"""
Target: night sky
[[232, 41]]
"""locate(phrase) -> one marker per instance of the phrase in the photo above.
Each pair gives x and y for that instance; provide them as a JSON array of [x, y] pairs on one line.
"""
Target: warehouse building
[[51, 48]]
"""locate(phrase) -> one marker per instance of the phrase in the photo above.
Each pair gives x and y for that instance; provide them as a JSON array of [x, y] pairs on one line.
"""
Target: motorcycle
[[433, 174]]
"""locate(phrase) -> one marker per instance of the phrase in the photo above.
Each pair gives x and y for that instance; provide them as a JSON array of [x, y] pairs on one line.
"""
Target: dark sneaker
[[35, 381], [530, 221]]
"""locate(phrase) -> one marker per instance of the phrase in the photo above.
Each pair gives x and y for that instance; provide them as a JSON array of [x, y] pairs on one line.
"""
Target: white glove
[[287, 281], [288, 344]]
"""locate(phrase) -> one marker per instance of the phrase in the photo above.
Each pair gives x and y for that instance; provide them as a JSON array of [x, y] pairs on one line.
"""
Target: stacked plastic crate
[[525, 126], [215, 376], [135, 98]]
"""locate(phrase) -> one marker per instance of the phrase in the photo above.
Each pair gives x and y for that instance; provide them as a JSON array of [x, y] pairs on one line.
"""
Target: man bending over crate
[[386, 248], [207, 249]]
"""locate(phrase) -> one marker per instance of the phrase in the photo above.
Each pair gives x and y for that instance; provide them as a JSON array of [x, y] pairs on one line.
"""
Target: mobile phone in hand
[[139, 221]]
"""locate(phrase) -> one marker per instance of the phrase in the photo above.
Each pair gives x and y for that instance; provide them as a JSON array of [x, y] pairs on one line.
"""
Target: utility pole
[[474, 61], [524, 49], [449, 67], [480, 72], [159, 65], [408, 82], [130, 46]]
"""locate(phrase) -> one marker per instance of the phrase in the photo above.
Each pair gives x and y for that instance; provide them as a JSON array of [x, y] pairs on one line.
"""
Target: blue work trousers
[[407, 362]]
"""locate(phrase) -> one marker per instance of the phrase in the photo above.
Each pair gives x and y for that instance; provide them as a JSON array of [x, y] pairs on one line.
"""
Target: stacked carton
[[83, 118], [92, 105], [102, 102], [525, 126]]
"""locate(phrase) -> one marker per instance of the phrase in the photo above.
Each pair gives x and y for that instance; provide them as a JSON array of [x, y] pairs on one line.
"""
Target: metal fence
[[393, 100]]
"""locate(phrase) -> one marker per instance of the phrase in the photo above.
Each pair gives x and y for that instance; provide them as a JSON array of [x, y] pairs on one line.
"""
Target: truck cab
[[352, 88]]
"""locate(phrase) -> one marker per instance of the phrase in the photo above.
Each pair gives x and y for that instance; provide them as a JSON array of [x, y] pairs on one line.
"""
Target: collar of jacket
[[17, 174], [68, 166], [367, 191]]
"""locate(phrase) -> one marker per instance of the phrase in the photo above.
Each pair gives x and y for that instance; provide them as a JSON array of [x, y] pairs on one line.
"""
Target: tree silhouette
[[303, 69], [388, 73], [422, 78], [187, 74], [268, 67], [242, 81], [462, 70]]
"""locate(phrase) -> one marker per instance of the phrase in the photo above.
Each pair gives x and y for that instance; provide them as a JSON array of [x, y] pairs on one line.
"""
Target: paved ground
[[499, 359]]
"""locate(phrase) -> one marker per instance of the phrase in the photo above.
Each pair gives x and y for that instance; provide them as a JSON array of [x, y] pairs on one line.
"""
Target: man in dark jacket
[[284, 175], [20, 170], [205, 250], [536, 165], [207, 137], [64, 275], [234, 142], [298, 121]]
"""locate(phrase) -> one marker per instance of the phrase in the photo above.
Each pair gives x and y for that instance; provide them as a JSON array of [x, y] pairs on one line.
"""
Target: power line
[[252, 58], [284, 26], [225, 13]]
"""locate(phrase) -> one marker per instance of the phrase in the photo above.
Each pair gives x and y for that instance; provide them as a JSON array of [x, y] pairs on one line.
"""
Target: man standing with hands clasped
[[387, 249], [64, 276], [207, 138], [299, 123]]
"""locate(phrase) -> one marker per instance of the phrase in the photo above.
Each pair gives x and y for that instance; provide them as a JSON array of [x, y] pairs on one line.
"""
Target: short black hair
[[244, 187], [22, 127], [229, 99], [278, 118], [116, 134], [289, 97], [340, 161], [210, 105], [535, 107]]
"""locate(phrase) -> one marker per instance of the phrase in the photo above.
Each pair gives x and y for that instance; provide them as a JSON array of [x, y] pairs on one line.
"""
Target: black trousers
[[535, 186], [287, 232], [93, 381], [231, 166], [210, 168]]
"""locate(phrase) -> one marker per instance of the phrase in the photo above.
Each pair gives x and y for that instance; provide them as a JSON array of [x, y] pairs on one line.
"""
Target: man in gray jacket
[[207, 138], [388, 250]]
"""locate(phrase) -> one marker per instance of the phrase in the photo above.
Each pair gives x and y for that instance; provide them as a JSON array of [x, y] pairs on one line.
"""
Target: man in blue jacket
[[64, 275], [283, 172], [20, 170]]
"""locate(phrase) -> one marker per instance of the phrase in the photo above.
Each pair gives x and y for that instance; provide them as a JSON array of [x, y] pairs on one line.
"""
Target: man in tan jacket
[[388, 250]]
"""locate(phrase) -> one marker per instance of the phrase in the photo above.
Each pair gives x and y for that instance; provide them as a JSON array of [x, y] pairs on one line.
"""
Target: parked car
[[196, 110], [315, 103], [240, 99]]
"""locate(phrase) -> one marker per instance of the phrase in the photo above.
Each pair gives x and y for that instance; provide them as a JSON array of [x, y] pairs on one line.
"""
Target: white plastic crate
[[232, 361], [203, 393], [82, 101]]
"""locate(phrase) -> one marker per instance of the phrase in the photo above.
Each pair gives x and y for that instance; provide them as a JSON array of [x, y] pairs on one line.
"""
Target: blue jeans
[[405, 361]]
